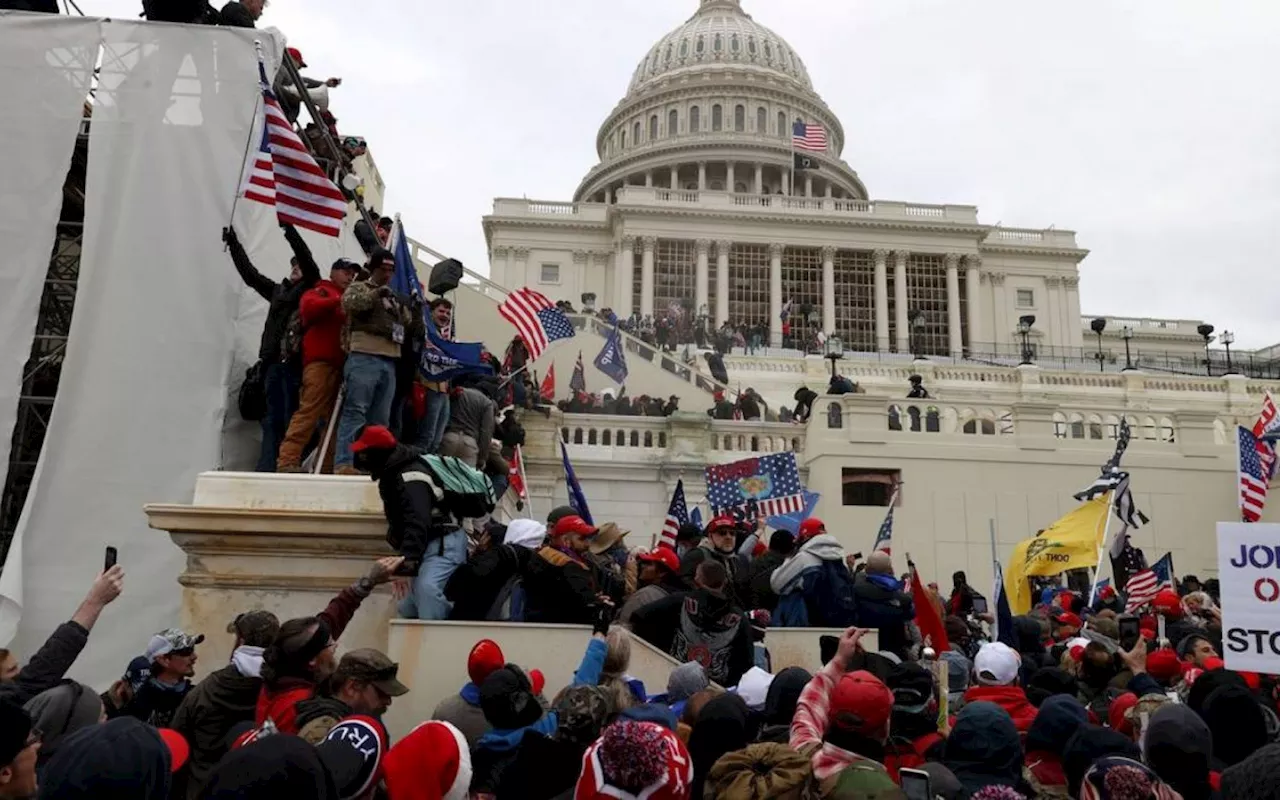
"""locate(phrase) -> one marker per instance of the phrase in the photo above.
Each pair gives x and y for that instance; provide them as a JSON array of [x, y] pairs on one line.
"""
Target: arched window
[[768, 50], [695, 119], [684, 48], [719, 43], [782, 124], [735, 44], [673, 122], [762, 120], [740, 118], [717, 117], [700, 46], [751, 45], [622, 139], [667, 57], [653, 127], [635, 134]]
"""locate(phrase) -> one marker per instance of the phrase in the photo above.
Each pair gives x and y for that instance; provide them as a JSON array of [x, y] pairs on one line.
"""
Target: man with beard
[[704, 625], [364, 683], [659, 576], [720, 546]]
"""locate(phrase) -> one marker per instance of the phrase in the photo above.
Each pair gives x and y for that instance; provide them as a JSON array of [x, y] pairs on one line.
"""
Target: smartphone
[[857, 556], [979, 605], [1130, 631], [916, 784], [110, 560]]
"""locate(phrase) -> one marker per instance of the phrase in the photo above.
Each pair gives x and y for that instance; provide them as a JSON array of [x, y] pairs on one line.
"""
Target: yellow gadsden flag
[[1070, 543]]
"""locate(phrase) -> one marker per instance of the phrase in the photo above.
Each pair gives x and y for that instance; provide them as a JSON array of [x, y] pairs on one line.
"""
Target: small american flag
[[578, 380], [1143, 587], [1253, 476], [884, 537], [283, 174], [536, 318], [1266, 430], [677, 515], [809, 136]]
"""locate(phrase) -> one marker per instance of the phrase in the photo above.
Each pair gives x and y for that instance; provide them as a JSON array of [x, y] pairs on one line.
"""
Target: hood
[[784, 695], [526, 533], [1028, 631], [823, 547], [1237, 722], [248, 660], [1056, 722], [1011, 698], [983, 748], [122, 759], [228, 688], [722, 727], [61, 711], [1180, 749], [271, 768], [506, 740], [1089, 744], [401, 455]]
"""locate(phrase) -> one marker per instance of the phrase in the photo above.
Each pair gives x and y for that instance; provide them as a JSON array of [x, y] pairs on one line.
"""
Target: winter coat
[[122, 759], [154, 702], [283, 297], [475, 586], [206, 716], [759, 592], [1011, 698], [559, 588], [1179, 748], [462, 710], [471, 412], [646, 595], [318, 714], [699, 626], [48, 666], [732, 564], [320, 312], [886, 608], [235, 15], [408, 503], [984, 749], [1057, 720], [376, 318]]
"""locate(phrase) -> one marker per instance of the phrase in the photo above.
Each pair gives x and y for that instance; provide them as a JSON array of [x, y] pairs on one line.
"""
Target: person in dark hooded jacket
[[804, 398], [1059, 718], [479, 588], [272, 768], [984, 750], [1238, 725], [760, 593], [780, 703], [723, 726], [1179, 748], [720, 545], [282, 377], [882, 604], [1087, 745], [913, 728], [123, 759]]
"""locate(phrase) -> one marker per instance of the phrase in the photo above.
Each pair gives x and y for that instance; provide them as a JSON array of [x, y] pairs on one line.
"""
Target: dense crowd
[[1068, 701]]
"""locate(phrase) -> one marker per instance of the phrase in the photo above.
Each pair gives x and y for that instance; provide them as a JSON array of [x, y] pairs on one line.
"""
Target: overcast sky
[[1150, 127]]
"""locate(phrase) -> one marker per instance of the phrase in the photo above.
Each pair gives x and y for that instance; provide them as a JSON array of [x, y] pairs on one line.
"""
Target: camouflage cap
[[373, 667], [255, 628]]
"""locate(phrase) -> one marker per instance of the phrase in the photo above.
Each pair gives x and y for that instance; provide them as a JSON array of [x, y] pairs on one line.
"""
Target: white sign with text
[[1249, 573]]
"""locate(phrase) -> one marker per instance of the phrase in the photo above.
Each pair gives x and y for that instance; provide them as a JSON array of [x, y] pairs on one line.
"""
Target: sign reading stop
[[1249, 573]]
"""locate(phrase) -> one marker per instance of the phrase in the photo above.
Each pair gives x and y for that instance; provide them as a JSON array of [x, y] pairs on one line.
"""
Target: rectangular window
[[927, 297], [869, 487], [855, 300], [1026, 298], [550, 273]]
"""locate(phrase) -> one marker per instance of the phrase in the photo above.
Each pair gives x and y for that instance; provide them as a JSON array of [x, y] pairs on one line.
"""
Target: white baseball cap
[[996, 664]]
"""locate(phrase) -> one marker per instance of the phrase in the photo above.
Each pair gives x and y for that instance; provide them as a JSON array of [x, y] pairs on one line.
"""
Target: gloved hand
[[604, 612], [229, 235]]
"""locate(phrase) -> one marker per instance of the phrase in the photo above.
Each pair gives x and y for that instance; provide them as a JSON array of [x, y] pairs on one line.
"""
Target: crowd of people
[[1063, 703]]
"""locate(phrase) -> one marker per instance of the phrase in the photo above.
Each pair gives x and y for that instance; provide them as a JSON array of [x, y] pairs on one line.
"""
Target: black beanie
[[507, 699], [15, 727]]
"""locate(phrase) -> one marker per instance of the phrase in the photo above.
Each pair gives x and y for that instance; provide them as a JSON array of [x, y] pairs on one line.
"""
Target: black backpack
[[252, 398]]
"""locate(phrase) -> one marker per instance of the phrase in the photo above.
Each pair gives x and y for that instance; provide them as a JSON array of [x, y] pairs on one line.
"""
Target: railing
[[536, 207], [929, 417], [621, 432], [670, 362], [712, 199], [648, 438], [757, 437]]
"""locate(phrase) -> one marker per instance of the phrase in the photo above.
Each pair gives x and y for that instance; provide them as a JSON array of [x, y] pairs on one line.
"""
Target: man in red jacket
[[320, 312], [995, 670]]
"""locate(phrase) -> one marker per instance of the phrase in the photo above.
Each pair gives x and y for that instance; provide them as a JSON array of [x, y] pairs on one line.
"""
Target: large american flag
[[536, 318], [772, 481], [283, 174], [1267, 430], [1143, 586], [677, 515], [1253, 475], [809, 136]]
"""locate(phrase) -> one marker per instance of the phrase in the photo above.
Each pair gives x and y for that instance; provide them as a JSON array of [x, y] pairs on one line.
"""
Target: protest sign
[[1249, 573]]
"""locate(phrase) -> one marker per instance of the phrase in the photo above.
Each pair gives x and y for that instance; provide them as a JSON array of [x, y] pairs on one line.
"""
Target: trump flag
[[773, 482]]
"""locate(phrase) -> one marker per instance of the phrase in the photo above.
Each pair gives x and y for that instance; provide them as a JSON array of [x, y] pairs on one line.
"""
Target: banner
[[1249, 572], [1070, 543]]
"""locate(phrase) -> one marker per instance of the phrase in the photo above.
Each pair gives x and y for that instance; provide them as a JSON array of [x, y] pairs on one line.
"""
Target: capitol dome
[[711, 108]]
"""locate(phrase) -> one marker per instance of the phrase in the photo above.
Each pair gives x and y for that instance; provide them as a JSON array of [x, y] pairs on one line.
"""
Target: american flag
[[884, 537], [515, 475], [578, 380], [1143, 587], [536, 318], [809, 136], [1267, 429], [772, 481], [1253, 476], [283, 174], [677, 515]]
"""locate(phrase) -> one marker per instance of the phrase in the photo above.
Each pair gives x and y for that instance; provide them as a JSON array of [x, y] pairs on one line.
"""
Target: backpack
[[460, 489], [830, 589], [791, 611], [252, 398], [291, 341]]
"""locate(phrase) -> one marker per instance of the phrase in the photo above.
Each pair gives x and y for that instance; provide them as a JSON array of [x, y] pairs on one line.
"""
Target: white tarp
[[141, 401], [46, 64], [1249, 572]]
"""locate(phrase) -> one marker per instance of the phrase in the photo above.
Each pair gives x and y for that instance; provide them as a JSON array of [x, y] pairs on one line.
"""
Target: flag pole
[[248, 143], [791, 188], [1102, 548], [524, 481], [997, 578]]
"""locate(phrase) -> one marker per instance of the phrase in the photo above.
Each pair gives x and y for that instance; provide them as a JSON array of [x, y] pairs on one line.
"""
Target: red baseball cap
[[573, 524], [375, 437], [1069, 619], [810, 528], [1115, 714], [296, 54], [722, 521], [861, 703], [176, 744], [1163, 665], [662, 555], [1168, 603], [484, 658]]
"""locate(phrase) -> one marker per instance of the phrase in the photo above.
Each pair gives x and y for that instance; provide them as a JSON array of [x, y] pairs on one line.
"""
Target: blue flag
[[576, 498], [695, 516], [612, 361], [791, 522]]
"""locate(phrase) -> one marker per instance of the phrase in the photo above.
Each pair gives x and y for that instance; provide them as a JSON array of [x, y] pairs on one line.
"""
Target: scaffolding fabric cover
[[141, 401], [46, 64]]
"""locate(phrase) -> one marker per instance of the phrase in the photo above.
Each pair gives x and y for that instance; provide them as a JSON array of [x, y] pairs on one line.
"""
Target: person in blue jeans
[[378, 322], [431, 429]]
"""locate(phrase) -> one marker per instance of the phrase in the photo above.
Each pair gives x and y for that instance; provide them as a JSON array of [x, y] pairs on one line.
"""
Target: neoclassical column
[[954, 329], [701, 291], [1003, 333], [579, 283], [828, 290], [722, 281], [1052, 305], [786, 182], [971, 281], [702, 175], [900, 299], [500, 264], [624, 275], [648, 179], [1076, 335], [882, 300], [675, 177], [522, 266], [827, 193], [728, 181], [759, 178], [775, 295], [646, 275], [808, 186]]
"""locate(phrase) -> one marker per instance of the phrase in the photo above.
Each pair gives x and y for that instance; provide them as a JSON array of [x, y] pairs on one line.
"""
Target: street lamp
[[834, 349], [1024, 330], [1206, 331], [1099, 325], [915, 319], [1228, 338], [1127, 333]]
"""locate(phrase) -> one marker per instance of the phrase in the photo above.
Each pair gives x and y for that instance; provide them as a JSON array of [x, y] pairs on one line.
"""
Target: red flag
[[927, 620], [548, 390], [515, 475]]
